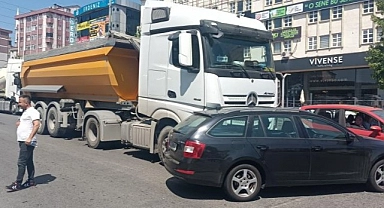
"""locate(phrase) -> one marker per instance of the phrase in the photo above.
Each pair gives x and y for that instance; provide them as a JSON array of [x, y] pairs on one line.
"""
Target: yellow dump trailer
[[101, 70]]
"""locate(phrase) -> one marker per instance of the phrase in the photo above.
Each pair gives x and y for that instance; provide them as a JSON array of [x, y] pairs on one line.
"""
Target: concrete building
[[43, 29], [321, 43], [96, 19], [5, 46]]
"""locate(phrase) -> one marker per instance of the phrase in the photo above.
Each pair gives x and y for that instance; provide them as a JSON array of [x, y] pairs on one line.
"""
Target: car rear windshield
[[191, 124], [379, 113]]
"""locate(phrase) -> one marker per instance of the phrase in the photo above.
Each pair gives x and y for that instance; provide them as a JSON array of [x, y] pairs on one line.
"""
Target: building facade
[[321, 43], [5, 46], [96, 19], [43, 29]]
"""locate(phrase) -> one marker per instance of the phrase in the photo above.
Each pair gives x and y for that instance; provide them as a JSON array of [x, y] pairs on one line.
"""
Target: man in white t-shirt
[[27, 126]]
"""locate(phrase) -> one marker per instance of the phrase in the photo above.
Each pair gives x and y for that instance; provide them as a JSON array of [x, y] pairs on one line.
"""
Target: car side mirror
[[350, 137], [185, 49], [375, 128]]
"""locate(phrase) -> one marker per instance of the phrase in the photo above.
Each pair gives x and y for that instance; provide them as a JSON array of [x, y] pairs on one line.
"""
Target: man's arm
[[36, 125]]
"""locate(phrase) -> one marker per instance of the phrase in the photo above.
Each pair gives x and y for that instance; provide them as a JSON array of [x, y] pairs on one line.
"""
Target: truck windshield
[[231, 53]]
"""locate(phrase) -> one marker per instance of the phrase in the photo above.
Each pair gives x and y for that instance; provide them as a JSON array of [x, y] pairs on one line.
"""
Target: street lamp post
[[283, 89]]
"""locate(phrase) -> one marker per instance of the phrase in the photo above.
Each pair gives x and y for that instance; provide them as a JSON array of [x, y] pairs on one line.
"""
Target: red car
[[362, 120]]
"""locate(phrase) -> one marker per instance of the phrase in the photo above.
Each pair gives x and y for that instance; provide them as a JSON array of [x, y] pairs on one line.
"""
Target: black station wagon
[[244, 149]]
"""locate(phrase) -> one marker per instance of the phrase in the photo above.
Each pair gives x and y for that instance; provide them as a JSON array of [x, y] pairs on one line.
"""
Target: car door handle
[[262, 147], [317, 148]]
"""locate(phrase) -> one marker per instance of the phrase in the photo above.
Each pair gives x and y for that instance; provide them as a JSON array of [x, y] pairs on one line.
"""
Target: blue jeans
[[25, 161]]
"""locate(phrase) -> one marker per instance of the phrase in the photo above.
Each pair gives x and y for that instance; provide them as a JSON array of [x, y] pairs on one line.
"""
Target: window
[[268, 2], [368, 35], [312, 17], [230, 127], [232, 7], [268, 24], [257, 128], [368, 6], [287, 46], [330, 113], [324, 41], [279, 126], [360, 120], [247, 52], [321, 129], [379, 34], [248, 5], [277, 23], [278, 1], [277, 47], [288, 21], [240, 6], [312, 43], [49, 25], [336, 40], [191, 123], [337, 12], [324, 14]]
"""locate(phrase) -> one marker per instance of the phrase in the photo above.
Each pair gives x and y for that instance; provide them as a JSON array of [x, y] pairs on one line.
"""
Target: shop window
[[312, 43], [312, 17], [288, 21], [337, 12], [277, 23], [277, 47], [336, 40], [324, 41], [268, 2], [324, 14], [368, 36], [368, 6]]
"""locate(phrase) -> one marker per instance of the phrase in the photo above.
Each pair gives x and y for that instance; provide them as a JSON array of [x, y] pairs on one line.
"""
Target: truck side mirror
[[17, 81], [185, 49]]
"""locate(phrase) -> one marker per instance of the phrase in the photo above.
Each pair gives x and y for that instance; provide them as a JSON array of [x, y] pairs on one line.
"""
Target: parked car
[[244, 149], [371, 118]]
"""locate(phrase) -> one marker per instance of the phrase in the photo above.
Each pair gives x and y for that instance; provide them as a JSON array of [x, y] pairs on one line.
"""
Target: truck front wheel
[[92, 133], [162, 141]]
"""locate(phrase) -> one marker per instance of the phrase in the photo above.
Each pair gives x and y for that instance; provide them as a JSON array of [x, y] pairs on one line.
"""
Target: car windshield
[[379, 113], [190, 124], [232, 53]]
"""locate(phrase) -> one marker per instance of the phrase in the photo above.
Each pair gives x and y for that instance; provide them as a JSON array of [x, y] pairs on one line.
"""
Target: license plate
[[172, 146]]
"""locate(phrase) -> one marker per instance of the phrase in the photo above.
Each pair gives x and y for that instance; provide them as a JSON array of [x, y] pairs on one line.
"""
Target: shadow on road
[[44, 179], [190, 191], [143, 155]]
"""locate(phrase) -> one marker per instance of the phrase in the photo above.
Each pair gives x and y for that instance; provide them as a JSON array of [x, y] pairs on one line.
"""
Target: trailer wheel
[[43, 122], [53, 124], [162, 141], [14, 107], [92, 133]]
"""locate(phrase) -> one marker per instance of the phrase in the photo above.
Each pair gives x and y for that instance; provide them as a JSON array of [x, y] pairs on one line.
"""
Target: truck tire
[[53, 124], [162, 141], [14, 107], [43, 122], [92, 133]]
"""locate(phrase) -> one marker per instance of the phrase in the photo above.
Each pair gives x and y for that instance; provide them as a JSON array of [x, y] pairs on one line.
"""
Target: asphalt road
[[69, 174]]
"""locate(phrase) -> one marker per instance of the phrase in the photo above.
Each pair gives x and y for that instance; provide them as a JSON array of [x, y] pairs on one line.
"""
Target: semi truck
[[136, 89], [10, 86]]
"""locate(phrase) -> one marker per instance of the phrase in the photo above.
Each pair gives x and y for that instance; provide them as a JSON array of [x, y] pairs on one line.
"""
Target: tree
[[375, 56]]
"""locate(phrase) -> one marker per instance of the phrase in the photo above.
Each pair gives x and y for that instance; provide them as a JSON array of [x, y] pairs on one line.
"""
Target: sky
[[8, 8]]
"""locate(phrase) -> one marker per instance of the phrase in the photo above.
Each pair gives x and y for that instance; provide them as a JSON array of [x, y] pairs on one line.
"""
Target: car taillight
[[193, 149]]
